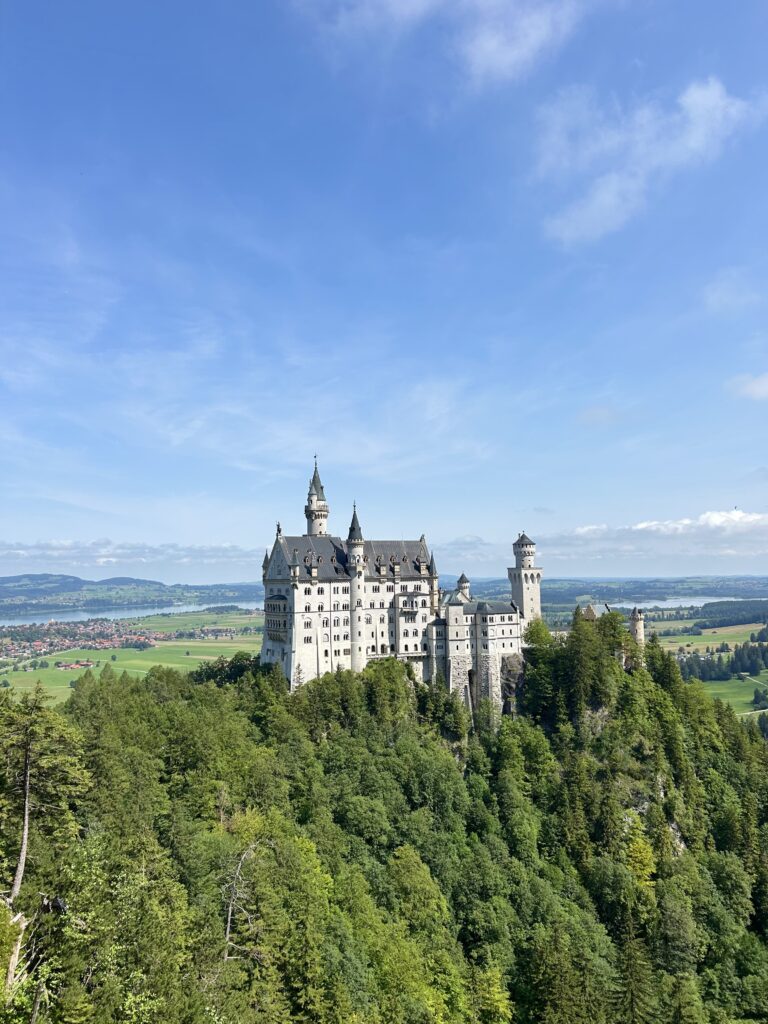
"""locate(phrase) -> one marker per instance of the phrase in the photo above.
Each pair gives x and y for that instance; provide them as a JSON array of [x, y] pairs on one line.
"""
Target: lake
[[119, 613]]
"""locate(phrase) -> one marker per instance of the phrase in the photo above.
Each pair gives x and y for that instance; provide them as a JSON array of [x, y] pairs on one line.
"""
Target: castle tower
[[356, 571], [316, 510], [463, 586], [637, 626], [525, 579], [434, 585]]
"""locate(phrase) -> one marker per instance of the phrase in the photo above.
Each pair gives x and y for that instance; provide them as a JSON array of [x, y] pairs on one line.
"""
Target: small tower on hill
[[462, 584], [356, 572], [316, 510], [637, 626], [525, 579]]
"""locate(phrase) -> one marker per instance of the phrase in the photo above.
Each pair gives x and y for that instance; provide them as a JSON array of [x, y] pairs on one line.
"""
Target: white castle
[[331, 603]]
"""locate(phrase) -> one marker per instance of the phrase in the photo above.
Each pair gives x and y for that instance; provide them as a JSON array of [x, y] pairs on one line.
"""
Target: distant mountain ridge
[[57, 592]]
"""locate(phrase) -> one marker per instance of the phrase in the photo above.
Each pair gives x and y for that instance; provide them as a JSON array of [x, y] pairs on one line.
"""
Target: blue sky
[[501, 264]]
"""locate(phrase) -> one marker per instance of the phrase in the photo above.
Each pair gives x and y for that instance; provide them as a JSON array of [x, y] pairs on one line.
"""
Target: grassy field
[[737, 692], [709, 637], [181, 654], [170, 622]]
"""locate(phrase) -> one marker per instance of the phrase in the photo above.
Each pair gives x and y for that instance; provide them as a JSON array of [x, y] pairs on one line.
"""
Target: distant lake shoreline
[[34, 618]]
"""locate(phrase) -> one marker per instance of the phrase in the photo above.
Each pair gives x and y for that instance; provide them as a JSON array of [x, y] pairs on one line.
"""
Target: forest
[[208, 848]]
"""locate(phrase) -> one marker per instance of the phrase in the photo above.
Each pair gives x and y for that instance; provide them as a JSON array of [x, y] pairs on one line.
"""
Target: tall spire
[[355, 533], [316, 485], [316, 510]]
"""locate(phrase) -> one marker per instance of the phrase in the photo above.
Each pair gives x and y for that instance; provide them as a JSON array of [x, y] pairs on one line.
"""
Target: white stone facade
[[331, 603]]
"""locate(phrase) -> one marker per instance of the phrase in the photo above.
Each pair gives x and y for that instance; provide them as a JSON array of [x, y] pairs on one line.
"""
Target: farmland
[[180, 653]]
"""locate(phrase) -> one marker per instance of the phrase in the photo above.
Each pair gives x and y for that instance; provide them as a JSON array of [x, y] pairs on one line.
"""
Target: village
[[33, 644]]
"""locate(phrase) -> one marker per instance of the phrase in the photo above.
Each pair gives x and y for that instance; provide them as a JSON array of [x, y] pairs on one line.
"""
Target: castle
[[332, 603]]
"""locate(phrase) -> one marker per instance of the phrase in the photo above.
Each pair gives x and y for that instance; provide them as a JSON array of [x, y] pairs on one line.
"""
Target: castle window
[[307, 624], [325, 622], [307, 639], [307, 607], [321, 607], [375, 588], [307, 590], [382, 618], [403, 588], [423, 603], [346, 636], [346, 620], [336, 653], [335, 590], [336, 622], [336, 637], [406, 647], [321, 590], [335, 606], [326, 652], [326, 638], [346, 651], [368, 620], [345, 606], [345, 590], [390, 587]]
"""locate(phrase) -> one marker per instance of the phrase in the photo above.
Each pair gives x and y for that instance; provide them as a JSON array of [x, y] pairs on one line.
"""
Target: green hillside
[[207, 847]]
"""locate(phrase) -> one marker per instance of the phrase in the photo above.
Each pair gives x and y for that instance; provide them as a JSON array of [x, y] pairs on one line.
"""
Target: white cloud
[[493, 40], [752, 386], [730, 290], [621, 155], [725, 542], [81, 556]]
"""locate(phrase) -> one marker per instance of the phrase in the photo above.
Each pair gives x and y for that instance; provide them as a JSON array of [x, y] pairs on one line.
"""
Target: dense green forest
[[209, 848]]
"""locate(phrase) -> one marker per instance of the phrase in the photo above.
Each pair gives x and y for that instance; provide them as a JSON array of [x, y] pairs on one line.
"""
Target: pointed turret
[[316, 510], [463, 585], [355, 533], [265, 563]]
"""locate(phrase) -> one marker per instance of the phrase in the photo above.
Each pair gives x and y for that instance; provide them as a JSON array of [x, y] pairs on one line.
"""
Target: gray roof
[[315, 485], [523, 539], [329, 554], [355, 533], [489, 607], [462, 579]]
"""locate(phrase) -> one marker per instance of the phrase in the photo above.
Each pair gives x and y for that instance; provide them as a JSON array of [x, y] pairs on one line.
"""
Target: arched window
[[307, 624], [321, 607], [307, 591], [368, 620], [307, 607]]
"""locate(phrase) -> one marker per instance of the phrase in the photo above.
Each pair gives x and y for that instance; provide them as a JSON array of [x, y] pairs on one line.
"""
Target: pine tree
[[635, 996]]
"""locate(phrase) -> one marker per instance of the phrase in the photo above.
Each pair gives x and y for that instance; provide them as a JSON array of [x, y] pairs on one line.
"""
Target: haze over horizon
[[500, 263]]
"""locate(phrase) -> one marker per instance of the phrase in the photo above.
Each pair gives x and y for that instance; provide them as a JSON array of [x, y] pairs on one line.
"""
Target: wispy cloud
[[104, 554], [492, 40], [620, 156], [731, 290], [716, 541], [754, 386]]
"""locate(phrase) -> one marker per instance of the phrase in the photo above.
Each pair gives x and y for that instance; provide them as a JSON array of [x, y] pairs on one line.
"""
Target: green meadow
[[181, 654], [709, 637]]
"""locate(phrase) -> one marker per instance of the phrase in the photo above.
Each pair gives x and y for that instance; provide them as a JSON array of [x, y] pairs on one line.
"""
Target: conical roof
[[316, 486], [355, 533], [523, 539], [462, 580]]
